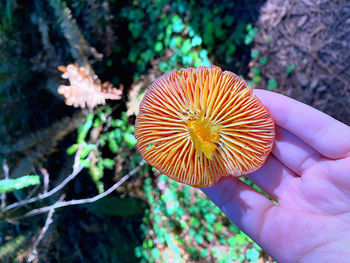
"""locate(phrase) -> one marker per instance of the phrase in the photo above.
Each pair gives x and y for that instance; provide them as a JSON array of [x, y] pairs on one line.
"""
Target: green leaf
[[272, 84], [210, 218], [86, 163], [117, 123], [178, 26], [257, 79], [263, 60], [172, 43], [252, 32], [8, 185], [252, 255], [163, 66], [241, 239], [87, 148], [158, 46], [267, 39], [254, 53], [84, 128], [97, 122], [231, 49], [198, 238], [108, 163], [186, 46], [210, 236], [231, 241], [218, 226], [203, 253], [187, 60], [113, 146], [72, 149], [203, 54], [130, 140], [290, 68], [250, 83], [256, 71], [138, 252], [196, 41], [155, 253]]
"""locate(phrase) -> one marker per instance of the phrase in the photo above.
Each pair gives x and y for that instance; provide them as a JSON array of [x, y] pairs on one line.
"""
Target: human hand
[[308, 174]]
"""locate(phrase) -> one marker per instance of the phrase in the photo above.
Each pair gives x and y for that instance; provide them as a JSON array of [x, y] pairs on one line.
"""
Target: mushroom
[[198, 125]]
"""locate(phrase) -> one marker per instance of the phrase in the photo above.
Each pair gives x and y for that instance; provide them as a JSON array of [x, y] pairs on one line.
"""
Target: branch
[[5, 168], [82, 201], [76, 170], [48, 222]]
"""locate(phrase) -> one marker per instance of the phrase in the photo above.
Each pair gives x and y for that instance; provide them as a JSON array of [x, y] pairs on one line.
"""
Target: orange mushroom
[[198, 125]]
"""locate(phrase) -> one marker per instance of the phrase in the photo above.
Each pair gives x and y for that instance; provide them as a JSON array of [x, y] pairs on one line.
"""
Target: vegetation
[[92, 198]]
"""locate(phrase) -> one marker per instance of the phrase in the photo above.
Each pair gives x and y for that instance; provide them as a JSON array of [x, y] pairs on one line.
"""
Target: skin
[[308, 174]]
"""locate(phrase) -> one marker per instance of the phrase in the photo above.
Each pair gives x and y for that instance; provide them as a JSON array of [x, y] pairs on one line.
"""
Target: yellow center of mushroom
[[204, 135]]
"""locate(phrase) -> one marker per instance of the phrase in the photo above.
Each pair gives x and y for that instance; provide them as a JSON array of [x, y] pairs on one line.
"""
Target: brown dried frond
[[85, 89]]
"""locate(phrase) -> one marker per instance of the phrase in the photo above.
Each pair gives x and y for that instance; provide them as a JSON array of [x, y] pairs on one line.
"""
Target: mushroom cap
[[198, 125]]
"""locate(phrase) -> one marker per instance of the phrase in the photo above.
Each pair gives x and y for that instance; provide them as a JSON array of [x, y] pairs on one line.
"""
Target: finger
[[273, 178], [293, 152], [327, 135], [245, 207]]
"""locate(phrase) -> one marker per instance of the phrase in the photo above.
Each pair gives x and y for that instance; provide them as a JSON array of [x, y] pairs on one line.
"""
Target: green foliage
[[272, 84], [251, 34], [189, 39], [254, 53], [8, 185], [263, 61], [182, 218], [117, 136]]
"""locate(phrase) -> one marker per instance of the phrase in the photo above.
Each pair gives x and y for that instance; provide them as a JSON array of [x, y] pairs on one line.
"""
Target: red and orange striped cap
[[198, 125]]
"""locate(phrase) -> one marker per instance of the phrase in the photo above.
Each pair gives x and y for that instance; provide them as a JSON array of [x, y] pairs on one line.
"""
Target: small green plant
[[115, 134], [254, 53], [251, 34], [290, 69], [263, 61], [272, 84]]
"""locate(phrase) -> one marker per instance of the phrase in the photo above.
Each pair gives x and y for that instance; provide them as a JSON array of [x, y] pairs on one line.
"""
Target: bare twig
[[82, 201], [5, 168], [76, 170], [42, 233]]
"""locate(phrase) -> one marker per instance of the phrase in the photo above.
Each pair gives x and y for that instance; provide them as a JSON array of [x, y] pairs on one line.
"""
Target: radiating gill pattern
[[183, 112]]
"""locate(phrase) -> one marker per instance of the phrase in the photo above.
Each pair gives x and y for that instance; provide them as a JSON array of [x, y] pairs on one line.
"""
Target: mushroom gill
[[198, 125]]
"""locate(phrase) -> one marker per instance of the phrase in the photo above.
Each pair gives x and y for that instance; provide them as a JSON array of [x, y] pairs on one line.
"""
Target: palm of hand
[[308, 174], [313, 216]]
